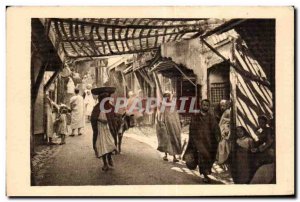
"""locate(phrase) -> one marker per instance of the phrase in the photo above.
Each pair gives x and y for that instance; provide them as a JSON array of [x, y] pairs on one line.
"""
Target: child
[[242, 170], [243, 138], [62, 123], [263, 147]]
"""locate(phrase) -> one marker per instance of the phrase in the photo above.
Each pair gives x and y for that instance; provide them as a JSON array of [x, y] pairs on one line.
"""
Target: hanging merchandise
[[70, 86], [66, 72], [105, 74], [76, 78]]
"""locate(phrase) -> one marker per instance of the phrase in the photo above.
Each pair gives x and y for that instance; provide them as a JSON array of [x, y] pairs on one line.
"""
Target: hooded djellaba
[[168, 129]]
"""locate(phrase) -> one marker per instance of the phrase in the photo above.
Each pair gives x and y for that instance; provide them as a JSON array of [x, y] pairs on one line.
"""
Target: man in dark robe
[[203, 134]]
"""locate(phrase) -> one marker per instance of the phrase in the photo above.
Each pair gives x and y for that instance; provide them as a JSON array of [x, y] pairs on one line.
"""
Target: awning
[[128, 70], [77, 38], [170, 69], [117, 63]]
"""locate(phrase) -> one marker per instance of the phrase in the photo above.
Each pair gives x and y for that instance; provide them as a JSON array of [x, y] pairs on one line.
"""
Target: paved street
[[139, 163]]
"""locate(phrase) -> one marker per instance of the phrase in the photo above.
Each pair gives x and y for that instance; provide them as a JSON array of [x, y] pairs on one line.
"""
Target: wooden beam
[[115, 53], [72, 37], [78, 36], [65, 33], [140, 39], [147, 38], [133, 41], [158, 83], [120, 37], [141, 35], [76, 32], [224, 27], [106, 37], [114, 39], [146, 79], [164, 34], [52, 78], [60, 37], [124, 84], [93, 43], [170, 36], [126, 38], [137, 26], [37, 83], [243, 72], [99, 37], [82, 31]]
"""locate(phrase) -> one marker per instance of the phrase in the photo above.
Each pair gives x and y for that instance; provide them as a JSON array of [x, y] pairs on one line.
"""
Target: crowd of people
[[213, 141], [69, 118]]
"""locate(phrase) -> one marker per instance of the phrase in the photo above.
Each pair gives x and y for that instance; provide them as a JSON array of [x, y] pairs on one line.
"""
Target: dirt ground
[[139, 163]]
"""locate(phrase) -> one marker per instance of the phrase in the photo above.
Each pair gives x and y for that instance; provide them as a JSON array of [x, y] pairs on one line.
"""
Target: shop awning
[[128, 70], [170, 69], [118, 62], [77, 38]]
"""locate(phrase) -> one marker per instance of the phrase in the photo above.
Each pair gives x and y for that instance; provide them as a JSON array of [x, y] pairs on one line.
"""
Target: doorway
[[218, 83]]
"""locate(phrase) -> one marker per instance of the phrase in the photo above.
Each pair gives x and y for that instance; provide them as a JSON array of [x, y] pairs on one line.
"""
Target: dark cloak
[[203, 135], [242, 165], [112, 119]]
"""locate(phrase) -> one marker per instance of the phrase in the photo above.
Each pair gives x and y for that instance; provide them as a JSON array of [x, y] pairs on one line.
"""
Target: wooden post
[[53, 77], [233, 89], [124, 85], [38, 82], [96, 75], [158, 83]]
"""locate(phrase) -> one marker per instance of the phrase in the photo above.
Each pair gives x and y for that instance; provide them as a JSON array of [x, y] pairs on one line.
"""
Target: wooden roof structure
[[77, 38]]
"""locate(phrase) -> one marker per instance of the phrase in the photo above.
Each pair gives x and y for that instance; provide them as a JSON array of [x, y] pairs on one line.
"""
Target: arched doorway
[[218, 83]]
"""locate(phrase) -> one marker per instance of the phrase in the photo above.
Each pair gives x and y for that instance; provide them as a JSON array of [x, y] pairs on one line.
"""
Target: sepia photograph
[[153, 101]]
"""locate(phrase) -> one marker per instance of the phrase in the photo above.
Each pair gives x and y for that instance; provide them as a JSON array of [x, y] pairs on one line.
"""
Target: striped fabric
[[254, 98]]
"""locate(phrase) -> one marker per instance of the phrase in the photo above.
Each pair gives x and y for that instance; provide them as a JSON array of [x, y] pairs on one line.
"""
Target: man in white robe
[[77, 114], [89, 104]]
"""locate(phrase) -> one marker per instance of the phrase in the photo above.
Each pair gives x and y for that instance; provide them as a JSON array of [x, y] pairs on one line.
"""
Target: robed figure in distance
[[168, 129], [104, 127], [89, 103], [202, 147], [77, 113]]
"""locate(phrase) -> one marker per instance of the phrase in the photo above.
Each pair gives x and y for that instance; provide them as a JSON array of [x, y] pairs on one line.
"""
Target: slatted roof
[[90, 37]]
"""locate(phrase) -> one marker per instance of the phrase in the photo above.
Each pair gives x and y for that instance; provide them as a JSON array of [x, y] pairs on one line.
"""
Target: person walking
[[103, 124], [77, 113], [168, 129], [89, 103], [203, 135]]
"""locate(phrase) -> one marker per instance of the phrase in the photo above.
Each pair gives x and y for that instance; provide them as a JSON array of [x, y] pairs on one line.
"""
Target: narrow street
[[139, 163], [152, 69]]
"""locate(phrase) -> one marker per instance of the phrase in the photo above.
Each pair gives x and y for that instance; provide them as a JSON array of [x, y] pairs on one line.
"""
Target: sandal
[[110, 163], [175, 160], [105, 168], [165, 158]]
